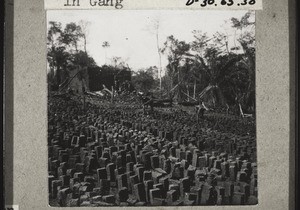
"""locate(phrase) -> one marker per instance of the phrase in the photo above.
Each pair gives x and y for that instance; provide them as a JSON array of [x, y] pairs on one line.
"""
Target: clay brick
[[109, 199], [110, 170], [101, 174], [139, 192], [148, 186], [122, 181], [123, 194]]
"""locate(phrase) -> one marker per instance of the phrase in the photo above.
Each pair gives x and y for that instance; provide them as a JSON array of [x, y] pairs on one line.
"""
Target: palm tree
[[216, 71], [246, 26], [229, 77]]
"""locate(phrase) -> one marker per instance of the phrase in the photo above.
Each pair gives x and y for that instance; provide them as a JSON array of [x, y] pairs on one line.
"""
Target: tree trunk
[[76, 48], [160, 65], [179, 87], [188, 92], [84, 38], [235, 41], [227, 47], [195, 87]]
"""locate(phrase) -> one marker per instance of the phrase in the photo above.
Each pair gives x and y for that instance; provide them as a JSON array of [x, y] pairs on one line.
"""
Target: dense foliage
[[206, 69], [209, 68]]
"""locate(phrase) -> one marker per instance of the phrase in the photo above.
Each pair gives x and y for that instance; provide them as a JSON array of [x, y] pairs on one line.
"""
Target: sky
[[129, 36]]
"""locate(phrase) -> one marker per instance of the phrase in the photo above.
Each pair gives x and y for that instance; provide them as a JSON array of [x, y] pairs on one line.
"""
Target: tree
[[200, 42], [53, 42], [245, 23], [82, 59], [198, 45], [226, 77], [54, 33], [221, 42], [62, 59], [84, 25], [215, 70], [167, 86], [175, 51], [72, 35], [154, 29], [154, 72], [56, 53], [118, 62], [143, 81], [246, 26]]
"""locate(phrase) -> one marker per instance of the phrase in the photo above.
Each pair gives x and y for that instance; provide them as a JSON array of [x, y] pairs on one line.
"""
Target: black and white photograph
[[151, 108]]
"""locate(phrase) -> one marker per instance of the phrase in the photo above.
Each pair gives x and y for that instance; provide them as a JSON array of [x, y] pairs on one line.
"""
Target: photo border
[[26, 107]]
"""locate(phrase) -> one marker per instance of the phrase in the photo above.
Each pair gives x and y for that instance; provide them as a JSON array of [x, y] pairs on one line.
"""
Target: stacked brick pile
[[117, 156]]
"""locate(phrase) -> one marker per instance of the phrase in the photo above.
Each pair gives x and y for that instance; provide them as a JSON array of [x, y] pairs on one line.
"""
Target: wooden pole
[[189, 96], [113, 93], [195, 87]]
